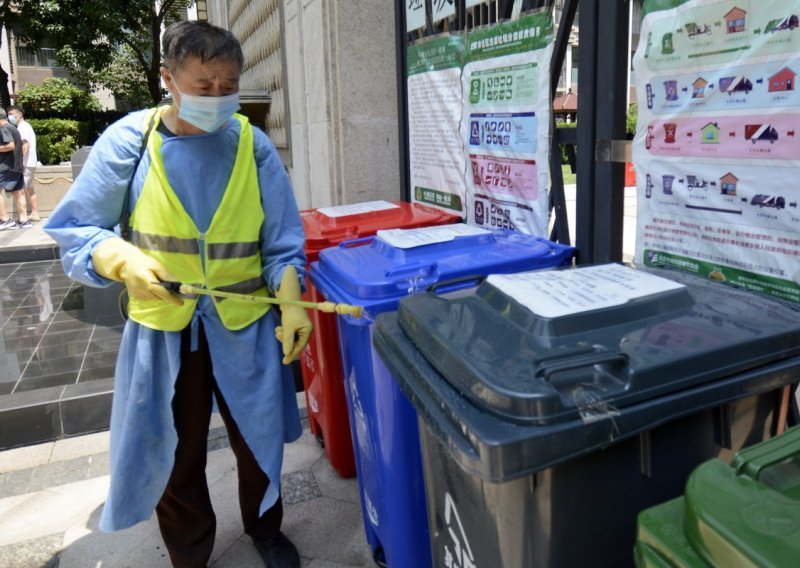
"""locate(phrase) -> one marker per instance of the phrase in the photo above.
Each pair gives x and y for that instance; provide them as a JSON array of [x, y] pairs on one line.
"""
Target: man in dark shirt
[[11, 169]]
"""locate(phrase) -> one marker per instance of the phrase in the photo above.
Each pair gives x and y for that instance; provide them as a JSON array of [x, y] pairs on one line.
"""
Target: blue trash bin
[[376, 272]]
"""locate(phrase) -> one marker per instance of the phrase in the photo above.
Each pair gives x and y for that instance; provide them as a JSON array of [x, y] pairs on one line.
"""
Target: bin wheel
[[378, 557]]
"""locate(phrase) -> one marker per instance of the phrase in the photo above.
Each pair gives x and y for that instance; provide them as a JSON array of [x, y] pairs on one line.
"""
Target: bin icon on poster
[[475, 91], [669, 132], [667, 184]]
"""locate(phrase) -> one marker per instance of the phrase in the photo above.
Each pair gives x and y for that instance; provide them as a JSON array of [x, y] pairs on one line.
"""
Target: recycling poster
[[436, 156], [488, 119], [506, 123], [717, 148]]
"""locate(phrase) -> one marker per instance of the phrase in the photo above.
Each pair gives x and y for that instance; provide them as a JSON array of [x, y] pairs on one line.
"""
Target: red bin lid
[[328, 226]]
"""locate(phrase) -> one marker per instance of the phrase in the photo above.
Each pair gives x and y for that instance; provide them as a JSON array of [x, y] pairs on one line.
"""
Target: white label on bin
[[555, 293], [457, 554], [410, 238], [357, 208]]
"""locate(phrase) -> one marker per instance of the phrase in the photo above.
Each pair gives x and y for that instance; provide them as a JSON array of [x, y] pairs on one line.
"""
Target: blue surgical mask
[[208, 113], [12, 119]]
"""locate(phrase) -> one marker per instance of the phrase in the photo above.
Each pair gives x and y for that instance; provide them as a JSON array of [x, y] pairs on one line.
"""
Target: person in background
[[210, 204], [11, 174], [16, 116]]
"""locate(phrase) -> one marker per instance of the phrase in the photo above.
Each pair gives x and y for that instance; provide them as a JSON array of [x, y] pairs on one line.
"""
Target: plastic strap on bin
[[413, 277], [587, 396]]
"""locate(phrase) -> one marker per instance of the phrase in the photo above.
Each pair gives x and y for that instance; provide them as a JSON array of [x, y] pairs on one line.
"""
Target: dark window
[[42, 57]]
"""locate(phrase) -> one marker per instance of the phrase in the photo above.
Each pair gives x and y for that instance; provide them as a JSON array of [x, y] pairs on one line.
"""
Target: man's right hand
[[119, 260]]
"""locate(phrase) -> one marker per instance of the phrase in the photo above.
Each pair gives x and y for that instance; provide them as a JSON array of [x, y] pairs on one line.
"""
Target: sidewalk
[[628, 219], [25, 245], [51, 496]]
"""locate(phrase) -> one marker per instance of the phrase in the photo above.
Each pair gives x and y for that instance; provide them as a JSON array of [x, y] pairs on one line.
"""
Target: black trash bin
[[543, 436]]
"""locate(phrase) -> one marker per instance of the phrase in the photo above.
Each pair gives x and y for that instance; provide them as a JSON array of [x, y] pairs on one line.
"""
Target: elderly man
[[209, 204]]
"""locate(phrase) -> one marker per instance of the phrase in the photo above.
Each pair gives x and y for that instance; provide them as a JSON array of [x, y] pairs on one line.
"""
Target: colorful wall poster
[[436, 154], [505, 123], [717, 148]]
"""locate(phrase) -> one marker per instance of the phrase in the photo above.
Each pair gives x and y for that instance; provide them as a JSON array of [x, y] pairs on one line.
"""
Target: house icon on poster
[[699, 88], [710, 133], [735, 20], [783, 80], [728, 184]]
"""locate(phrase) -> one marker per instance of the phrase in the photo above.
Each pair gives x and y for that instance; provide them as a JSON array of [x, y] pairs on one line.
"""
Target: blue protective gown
[[247, 363]]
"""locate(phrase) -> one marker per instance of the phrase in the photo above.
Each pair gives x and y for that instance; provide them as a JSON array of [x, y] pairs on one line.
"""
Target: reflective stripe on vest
[[226, 257]]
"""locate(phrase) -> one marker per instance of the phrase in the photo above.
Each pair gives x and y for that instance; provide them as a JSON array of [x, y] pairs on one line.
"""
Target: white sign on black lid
[[556, 293]]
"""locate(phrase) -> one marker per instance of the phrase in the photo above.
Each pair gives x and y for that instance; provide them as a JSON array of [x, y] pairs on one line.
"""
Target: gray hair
[[3, 114], [205, 41]]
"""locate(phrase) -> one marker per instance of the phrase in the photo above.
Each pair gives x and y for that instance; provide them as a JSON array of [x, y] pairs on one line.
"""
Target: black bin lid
[[552, 346]]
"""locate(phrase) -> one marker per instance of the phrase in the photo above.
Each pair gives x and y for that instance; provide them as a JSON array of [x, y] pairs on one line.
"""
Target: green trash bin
[[743, 514]]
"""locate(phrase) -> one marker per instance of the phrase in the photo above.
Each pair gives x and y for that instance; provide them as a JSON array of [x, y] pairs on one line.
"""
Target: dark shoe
[[277, 552]]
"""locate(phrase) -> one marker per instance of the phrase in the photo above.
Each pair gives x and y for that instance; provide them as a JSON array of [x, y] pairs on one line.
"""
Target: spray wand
[[329, 307]]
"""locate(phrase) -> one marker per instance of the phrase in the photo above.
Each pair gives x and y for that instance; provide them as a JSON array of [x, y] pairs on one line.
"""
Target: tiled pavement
[[51, 496]]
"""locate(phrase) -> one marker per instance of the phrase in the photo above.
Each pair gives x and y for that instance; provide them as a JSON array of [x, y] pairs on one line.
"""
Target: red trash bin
[[630, 175], [320, 362]]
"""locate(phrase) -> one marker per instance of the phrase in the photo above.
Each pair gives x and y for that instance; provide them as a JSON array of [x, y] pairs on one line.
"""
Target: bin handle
[[356, 242], [411, 270], [547, 368], [456, 283], [350, 231], [751, 462]]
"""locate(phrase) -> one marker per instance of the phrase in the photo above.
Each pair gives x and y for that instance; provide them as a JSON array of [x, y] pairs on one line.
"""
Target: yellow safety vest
[[226, 257]]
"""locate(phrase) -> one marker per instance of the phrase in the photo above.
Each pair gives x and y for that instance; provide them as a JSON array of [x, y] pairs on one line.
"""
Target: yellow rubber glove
[[121, 261], [295, 329]]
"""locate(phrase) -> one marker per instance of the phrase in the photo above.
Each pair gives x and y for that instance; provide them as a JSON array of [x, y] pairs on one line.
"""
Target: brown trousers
[[184, 513]]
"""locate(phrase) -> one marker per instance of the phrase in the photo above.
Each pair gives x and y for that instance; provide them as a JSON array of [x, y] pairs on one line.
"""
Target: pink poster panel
[[505, 176]]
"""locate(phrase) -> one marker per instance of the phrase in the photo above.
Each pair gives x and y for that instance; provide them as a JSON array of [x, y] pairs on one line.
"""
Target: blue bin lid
[[377, 271], [557, 354]]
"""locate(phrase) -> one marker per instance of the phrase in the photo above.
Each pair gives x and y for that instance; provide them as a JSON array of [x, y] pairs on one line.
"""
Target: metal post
[[610, 98], [401, 39], [560, 232], [586, 131]]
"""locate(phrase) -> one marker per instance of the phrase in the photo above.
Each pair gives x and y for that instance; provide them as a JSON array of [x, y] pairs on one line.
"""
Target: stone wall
[[50, 183]]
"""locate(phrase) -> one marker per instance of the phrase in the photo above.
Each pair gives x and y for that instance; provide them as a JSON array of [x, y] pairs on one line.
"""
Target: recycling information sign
[[717, 148], [479, 123]]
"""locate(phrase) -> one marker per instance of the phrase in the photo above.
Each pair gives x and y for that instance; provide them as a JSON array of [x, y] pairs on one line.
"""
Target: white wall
[[341, 79]]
